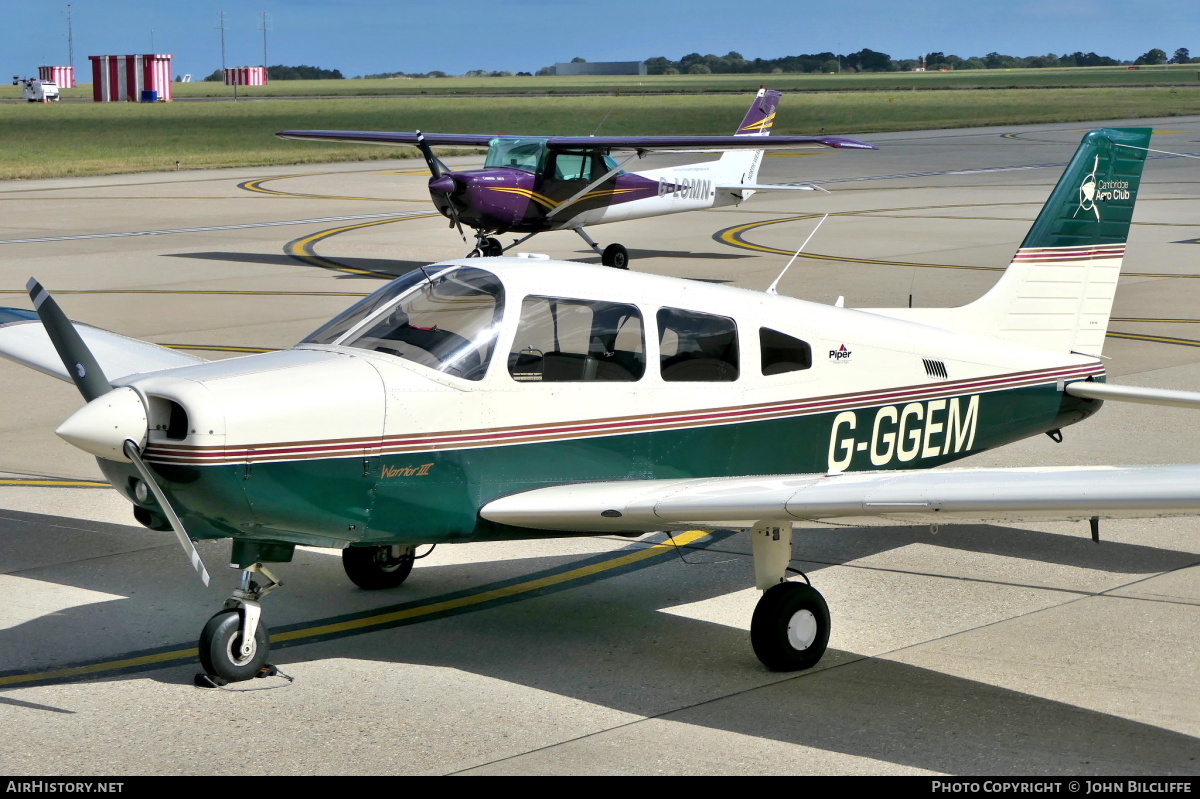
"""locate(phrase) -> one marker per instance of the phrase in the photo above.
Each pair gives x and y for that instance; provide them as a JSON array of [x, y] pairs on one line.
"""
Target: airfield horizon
[[204, 128]]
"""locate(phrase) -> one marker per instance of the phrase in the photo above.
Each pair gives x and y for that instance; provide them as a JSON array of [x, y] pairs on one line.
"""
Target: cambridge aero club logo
[[1087, 193]]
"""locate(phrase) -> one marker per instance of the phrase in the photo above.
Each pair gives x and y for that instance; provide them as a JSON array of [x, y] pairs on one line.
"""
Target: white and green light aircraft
[[519, 398]]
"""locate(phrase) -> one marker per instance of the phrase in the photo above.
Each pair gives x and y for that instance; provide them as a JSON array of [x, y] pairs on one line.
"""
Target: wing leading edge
[[23, 339], [602, 143], [946, 496]]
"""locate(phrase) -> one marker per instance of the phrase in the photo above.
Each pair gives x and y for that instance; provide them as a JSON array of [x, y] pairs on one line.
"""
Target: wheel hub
[[802, 629]]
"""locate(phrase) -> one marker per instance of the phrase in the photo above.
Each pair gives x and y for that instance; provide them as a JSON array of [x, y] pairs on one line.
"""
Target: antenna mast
[[70, 41], [265, 28]]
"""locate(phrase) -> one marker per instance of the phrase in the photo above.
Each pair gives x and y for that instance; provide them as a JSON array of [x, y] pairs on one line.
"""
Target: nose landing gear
[[234, 644]]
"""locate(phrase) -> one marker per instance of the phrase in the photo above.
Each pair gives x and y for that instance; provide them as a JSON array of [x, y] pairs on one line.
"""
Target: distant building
[[131, 78], [601, 68]]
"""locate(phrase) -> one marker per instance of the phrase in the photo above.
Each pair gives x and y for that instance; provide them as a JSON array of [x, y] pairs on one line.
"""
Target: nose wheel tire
[[790, 627], [375, 568], [222, 653], [492, 248], [616, 256]]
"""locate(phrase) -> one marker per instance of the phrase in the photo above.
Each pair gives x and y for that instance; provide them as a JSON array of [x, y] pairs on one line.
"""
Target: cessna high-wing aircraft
[[532, 184], [519, 397]]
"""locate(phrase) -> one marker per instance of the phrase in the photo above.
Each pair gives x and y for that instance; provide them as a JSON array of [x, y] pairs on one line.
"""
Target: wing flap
[[909, 497], [24, 340]]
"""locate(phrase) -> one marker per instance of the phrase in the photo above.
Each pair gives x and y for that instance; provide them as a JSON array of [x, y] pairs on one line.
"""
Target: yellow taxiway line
[[367, 623]]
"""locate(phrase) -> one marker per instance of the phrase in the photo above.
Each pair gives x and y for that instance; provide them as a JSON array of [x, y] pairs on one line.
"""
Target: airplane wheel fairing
[[220, 648], [375, 568], [492, 248], [615, 256], [790, 628]]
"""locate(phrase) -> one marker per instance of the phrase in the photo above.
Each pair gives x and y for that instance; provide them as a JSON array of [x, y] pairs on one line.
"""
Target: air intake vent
[[935, 369]]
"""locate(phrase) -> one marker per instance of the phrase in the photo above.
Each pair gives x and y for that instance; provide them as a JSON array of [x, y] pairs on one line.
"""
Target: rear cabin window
[[562, 340], [447, 322], [782, 353], [697, 347]]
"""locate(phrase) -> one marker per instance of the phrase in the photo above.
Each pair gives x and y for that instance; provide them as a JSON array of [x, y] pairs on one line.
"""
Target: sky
[[361, 37]]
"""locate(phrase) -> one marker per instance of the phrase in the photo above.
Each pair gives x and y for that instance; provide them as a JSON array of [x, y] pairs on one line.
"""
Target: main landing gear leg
[[790, 627], [235, 643], [613, 255]]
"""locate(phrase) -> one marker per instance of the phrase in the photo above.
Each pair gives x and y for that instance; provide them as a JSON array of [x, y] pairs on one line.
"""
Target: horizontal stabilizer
[[1148, 396], [950, 496], [771, 187], [24, 340]]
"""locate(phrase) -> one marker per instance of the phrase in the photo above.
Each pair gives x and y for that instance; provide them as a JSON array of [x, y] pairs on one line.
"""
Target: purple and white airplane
[[532, 184]]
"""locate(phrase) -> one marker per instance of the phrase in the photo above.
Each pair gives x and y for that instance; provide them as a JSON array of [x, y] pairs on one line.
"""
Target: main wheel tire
[[220, 648], [375, 568], [790, 628], [492, 248], [616, 256]]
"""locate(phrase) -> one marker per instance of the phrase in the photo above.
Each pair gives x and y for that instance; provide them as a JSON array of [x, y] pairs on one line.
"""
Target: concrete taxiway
[[973, 650]]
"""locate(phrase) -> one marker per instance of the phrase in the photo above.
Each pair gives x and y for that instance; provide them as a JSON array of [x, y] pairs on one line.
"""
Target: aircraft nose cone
[[102, 426], [444, 185]]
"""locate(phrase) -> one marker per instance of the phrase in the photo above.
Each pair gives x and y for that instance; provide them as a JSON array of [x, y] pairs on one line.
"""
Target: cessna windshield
[[517, 153], [446, 321]]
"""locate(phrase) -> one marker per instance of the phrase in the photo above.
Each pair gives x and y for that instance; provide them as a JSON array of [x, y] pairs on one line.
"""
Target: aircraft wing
[[23, 339], [602, 143], [713, 144], [380, 137], [937, 496]]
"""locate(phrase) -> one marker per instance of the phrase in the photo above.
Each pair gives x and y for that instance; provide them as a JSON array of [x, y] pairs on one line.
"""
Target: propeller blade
[[436, 167], [131, 452], [76, 357]]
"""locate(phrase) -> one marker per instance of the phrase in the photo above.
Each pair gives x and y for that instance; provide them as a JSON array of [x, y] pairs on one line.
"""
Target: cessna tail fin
[[741, 166], [1057, 293]]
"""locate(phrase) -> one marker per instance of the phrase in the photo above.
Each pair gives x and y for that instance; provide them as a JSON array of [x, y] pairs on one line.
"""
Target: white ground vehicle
[[36, 90]]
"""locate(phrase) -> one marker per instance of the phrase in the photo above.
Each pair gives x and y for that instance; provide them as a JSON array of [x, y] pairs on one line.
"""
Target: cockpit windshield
[[517, 153], [447, 321]]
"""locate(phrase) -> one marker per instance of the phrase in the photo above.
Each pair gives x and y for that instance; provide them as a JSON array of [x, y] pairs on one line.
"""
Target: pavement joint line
[[207, 229]]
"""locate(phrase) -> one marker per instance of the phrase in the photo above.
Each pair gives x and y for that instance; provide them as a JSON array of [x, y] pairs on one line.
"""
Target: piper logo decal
[[840, 354], [406, 471], [904, 433]]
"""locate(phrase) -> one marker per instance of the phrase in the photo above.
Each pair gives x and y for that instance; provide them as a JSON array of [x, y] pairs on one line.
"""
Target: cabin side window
[[573, 166], [782, 353], [448, 323], [697, 347], [562, 340]]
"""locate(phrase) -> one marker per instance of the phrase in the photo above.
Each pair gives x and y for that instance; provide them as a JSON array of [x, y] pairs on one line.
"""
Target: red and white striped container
[[125, 77], [246, 76], [63, 77]]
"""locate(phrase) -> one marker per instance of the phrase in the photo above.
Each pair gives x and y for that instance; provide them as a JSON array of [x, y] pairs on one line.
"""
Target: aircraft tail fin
[[1057, 293], [741, 166]]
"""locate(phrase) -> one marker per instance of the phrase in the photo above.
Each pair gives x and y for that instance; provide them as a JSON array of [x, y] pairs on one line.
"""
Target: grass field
[[78, 138], [1187, 75]]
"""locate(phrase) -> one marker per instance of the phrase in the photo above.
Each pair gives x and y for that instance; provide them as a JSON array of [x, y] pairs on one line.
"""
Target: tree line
[[866, 60], [280, 72]]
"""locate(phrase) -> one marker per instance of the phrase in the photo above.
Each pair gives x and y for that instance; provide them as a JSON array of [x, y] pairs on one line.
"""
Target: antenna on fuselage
[[771, 288]]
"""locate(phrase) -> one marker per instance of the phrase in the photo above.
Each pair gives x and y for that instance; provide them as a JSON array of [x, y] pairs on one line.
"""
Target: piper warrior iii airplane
[[520, 397], [531, 184]]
